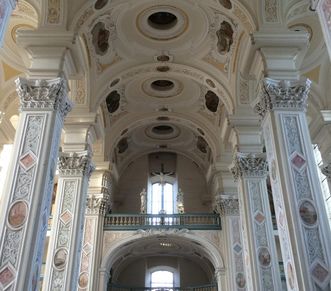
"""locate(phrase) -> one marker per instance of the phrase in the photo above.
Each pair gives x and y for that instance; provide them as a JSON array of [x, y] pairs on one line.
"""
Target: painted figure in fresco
[[225, 38]]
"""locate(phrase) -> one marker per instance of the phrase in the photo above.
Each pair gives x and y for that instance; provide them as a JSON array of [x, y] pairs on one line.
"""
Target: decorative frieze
[[286, 95], [47, 94], [72, 164], [248, 165]]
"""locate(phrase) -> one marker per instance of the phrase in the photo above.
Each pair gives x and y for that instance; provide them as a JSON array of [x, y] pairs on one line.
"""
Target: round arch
[[212, 252]]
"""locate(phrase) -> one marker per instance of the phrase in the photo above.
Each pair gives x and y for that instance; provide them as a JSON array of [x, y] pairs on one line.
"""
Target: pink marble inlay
[[298, 161], [259, 217], [27, 161], [320, 273], [66, 217], [6, 276]]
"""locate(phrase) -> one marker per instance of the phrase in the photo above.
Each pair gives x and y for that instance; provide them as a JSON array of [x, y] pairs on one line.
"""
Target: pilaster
[[230, 212], [24, 217], [98, 204], [65, 243], [302, 223], [251, 172]]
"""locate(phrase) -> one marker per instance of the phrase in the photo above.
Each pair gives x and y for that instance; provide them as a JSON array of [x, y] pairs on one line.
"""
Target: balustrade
[[145, 221]]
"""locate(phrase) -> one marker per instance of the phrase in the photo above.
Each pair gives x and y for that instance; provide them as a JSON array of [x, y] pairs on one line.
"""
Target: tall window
[[162, 198], [324, 183]]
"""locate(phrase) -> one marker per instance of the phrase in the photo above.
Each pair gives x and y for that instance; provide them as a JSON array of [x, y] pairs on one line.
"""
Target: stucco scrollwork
[[75, 163], [248, 165], [283, 94], [48, 94]]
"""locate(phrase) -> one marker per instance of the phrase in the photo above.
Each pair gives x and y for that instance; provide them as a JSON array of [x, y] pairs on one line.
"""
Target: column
[[63, 256], [231, 223], [98, 204], [302, 223], [251, 172], [6, 8], [25, 211]]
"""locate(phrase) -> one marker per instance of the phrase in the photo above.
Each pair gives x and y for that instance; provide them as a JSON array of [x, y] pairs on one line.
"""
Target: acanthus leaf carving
[[248, 165], [44, 94], [75, 163], [283, 94]]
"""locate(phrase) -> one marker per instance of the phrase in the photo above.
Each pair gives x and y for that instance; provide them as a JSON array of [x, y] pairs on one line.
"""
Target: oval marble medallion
[[83, 280], [17, 214], [308, 212], [60, 258], [240, 280], [264, 257]]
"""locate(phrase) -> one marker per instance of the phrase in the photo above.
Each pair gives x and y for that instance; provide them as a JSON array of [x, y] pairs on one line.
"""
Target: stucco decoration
[[271, 11], [248, 165], [283, 95], [54, 11], [48, 94]]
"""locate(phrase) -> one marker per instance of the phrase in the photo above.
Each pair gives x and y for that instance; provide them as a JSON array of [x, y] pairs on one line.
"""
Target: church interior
[[165, 145]]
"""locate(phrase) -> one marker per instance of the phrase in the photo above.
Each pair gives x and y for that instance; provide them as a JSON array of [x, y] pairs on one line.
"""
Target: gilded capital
[[283, 94]]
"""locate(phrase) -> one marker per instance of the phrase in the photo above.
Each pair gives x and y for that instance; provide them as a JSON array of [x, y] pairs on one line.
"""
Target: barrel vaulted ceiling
[[161, 75]]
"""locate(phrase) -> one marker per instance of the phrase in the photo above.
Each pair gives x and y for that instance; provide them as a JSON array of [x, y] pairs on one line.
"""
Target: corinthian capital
[[75, 164], [289, 95], [248, 165], [44, 94]]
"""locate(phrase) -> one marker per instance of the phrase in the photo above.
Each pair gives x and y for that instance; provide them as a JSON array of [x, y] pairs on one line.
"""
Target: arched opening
[[162, 260]]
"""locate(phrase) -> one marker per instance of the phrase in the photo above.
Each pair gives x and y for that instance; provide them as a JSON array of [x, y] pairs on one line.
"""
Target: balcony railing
[[197, 221], [115, 287]]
